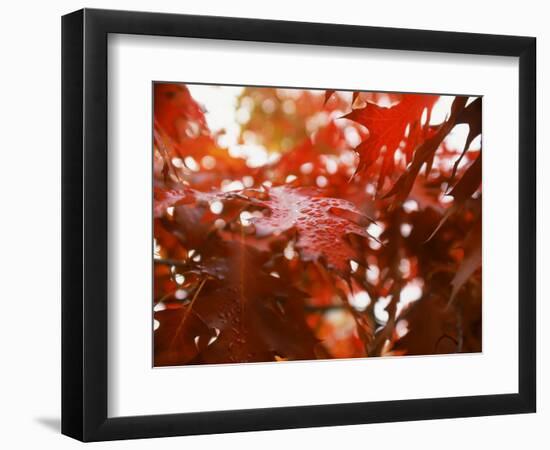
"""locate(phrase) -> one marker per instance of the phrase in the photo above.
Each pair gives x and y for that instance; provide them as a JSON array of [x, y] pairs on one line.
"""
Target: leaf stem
[[187, 312]]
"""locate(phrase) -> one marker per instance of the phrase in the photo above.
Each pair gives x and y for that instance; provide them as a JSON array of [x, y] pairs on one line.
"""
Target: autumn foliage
[[357, 234]]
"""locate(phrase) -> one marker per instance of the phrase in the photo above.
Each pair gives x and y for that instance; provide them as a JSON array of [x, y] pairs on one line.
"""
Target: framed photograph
[[273, 224]]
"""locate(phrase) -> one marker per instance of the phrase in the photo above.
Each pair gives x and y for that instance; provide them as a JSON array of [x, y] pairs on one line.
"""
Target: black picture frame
[[84, 224]]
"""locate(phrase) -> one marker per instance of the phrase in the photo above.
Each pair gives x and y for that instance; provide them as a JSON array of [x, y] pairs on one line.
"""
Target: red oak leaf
[[328, 94], [472, 117], [471, 261], [387, 127], [237, 313], [166, 198], [424, 153], [321, 224], [463, 190], [177, 113]]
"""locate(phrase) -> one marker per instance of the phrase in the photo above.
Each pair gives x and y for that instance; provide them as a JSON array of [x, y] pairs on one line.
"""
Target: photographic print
[[307, 224]]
